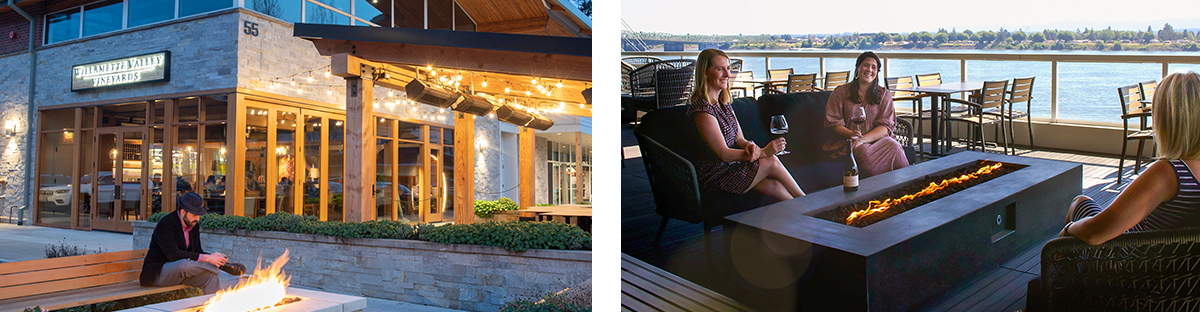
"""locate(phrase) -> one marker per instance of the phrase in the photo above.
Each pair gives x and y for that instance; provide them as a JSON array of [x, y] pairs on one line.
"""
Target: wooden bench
[[59, 283], [648, 288]]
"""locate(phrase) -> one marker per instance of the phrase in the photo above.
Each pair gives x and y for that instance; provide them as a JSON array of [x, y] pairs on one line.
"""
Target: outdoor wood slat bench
[[59, 283], [648, 288]]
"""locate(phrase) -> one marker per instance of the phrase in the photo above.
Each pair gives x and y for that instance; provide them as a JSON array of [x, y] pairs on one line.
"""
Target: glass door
[[117, 180], [437, 187]]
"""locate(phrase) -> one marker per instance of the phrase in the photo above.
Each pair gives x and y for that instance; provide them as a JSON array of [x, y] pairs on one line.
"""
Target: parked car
[[61, 194]]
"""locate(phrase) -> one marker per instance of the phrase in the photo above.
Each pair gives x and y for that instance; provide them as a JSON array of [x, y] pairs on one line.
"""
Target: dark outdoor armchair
[[1142, 271], [661, 84]]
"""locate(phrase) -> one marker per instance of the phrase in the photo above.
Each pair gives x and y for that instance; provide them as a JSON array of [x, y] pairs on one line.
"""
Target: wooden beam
[[556, 66], [527, 145], [360, 152], [515, 25], [464, 168], [236, 167]]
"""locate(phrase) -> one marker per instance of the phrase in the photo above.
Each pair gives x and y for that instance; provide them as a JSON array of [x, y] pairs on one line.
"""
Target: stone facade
[[466, 277], [14, 95], [541, 172], [488, 159]]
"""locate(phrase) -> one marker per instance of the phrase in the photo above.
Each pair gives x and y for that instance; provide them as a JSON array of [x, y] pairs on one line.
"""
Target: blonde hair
[[1176, 114], [700, 88]]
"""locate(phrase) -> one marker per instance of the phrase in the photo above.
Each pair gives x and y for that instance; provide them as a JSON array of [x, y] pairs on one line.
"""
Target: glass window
[[214, 166], [60, 119], [142, 12], [85, 169], [62, 26], [410, 131], [158, 111], [256, 162], [462, 22], [102, 17], [335, 176], [184, 158], [449, 134], [409, 162], [371, 12], [288, 10], [440, 14], [131, 114], [156, 169], [435, 135], [89, 117], [383, 179], [317, 14], [189, 7], [383, 127], [187, 110], [448, 188], [216, 107], [285, 160], [54, 185], [312, 165]]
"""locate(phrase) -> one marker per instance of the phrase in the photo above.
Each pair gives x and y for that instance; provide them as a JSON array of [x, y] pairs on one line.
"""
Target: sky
[[870, 16]]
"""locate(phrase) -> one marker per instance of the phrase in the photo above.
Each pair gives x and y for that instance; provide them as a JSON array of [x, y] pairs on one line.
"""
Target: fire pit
[[789, 258], [264, 290]]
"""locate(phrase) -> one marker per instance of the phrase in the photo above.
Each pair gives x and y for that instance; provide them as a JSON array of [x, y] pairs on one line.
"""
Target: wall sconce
[[10, 128]]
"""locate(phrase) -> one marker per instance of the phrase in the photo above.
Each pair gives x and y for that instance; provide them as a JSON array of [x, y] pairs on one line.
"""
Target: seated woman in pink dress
[[874, 148], [735, 165]]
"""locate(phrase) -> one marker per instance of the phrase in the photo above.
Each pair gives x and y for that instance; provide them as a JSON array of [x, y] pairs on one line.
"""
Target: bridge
[[632, 44]]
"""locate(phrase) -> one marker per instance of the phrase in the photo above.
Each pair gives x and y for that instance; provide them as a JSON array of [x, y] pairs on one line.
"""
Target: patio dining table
[[937, 92]]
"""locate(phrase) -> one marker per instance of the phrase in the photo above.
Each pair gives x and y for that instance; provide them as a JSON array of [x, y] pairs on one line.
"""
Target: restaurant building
[[113, 108]]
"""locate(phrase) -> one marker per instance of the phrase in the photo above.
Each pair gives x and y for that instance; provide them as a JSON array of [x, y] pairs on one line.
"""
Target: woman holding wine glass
[[729, 162], [862, 112]]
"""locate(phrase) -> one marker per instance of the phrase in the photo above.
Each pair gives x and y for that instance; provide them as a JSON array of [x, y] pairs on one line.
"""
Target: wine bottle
[[850, 175]]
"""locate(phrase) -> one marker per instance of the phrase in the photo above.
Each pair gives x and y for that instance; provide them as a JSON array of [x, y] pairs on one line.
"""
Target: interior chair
[[1132, 107], [984, 113], [802, 83], [639, 61], [1021, 90], [661, 84], [744, 87], [775, 74], [835, 79]]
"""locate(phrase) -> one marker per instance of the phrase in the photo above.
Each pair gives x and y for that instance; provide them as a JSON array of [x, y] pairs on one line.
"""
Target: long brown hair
[[874, 93], [700, 88]]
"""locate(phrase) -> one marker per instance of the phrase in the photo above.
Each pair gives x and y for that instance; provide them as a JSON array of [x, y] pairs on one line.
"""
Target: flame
[[262, 290], [876, 206]]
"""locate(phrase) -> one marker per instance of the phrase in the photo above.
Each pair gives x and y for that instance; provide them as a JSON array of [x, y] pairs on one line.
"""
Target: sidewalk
[[19, 243]]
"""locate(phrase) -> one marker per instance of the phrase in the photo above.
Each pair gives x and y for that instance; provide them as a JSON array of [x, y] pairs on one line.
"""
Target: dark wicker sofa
[[669, 143], [1144, 271]]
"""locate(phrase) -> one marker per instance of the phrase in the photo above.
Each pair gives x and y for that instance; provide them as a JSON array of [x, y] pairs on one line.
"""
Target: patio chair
[[661, 84], [735, 64], [1132, 107], [1147, 90], [835, 79], [639, 61], [745, 87], [1021, 90], [772, 74], [1139, 271], [626, 68], [802, 83], [908, 96], [986, 112]]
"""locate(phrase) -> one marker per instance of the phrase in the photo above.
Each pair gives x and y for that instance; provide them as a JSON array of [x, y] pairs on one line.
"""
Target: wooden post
[[235, 167], [464, 168], [360, 154], [578, 167], [525, 158]]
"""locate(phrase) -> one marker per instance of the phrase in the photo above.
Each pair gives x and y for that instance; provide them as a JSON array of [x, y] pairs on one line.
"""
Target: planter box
[[466, 277], [511, 215]]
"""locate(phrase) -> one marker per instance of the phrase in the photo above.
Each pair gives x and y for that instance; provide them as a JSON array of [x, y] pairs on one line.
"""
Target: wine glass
[[858, 118], [779, 127]]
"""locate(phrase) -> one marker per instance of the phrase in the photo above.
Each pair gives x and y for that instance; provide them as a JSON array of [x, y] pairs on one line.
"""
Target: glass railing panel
[[1088, 91], [369, 10], [288, 10], [797, 64], [190, 7], [1007, 70], [316, 14]]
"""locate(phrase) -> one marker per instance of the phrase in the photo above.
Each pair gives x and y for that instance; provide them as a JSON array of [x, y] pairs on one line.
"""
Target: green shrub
[[512, 235], [550, 303], [64, 250], [487, 208], [157, 216]]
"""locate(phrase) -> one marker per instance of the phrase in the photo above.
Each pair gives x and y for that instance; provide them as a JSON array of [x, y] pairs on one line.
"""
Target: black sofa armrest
[[1135, 271], [672, 180]]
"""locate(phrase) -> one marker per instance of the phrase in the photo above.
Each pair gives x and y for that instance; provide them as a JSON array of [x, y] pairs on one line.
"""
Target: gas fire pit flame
[[262, 290], [876, 206]]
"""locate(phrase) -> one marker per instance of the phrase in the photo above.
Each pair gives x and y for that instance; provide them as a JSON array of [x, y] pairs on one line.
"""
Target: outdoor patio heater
[[786, 257]]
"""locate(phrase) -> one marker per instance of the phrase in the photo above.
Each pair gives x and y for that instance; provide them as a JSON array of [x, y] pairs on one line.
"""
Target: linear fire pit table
[[785, 258]]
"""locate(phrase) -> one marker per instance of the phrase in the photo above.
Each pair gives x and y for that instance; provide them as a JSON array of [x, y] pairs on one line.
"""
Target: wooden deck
[[681, 251]]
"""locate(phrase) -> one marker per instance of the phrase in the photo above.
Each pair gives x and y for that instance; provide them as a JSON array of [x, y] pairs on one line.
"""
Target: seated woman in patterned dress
[[735, 165], [875, 150], [1166, 195]]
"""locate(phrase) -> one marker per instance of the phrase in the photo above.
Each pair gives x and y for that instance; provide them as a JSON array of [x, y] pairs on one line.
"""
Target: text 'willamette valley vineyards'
[[850, 176]]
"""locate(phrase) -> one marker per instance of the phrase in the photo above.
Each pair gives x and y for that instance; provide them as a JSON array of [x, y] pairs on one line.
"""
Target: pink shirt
[[187, 239]]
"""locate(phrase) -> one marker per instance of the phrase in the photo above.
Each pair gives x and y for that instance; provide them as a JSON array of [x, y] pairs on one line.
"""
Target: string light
[[559, 84], [484, 84], [506, 90], [327, 73], [310, 79], [534, 81], [527, 93]]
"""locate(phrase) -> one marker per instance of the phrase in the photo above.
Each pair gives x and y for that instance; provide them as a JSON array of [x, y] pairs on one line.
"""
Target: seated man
[[176, 257]]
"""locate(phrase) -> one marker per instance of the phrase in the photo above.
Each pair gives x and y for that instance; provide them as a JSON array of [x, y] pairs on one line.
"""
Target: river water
[[1086, 91]]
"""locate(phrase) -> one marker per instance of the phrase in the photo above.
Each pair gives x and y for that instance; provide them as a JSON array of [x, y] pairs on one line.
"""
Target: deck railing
[[964, 57]]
